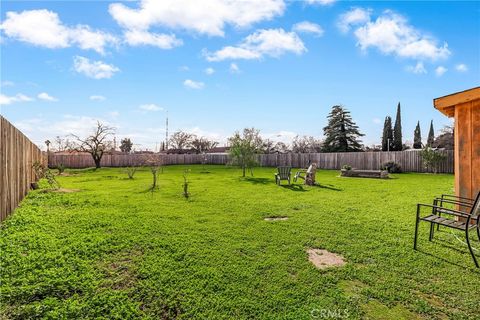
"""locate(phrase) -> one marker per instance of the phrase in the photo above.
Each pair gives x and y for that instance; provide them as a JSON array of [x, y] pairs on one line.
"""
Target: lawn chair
[[283, 173], [462, 220], [307, 174]]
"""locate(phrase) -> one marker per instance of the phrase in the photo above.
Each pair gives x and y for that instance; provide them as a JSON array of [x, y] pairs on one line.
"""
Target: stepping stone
[[323, 259], [275, 218]]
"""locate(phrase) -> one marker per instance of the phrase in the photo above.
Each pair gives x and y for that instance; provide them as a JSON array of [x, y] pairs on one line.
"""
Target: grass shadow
[[258, 180], [327, 186], [295, 187], [471, 267]]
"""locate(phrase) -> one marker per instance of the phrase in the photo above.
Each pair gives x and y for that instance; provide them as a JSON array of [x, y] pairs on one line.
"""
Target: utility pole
[[166, 132]]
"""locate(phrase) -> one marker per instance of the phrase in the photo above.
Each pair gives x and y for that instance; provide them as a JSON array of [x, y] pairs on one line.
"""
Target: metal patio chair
[[440, 215]]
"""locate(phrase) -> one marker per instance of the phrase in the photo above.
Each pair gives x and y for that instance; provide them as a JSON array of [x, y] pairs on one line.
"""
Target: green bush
[[391, 167], [61, 168]]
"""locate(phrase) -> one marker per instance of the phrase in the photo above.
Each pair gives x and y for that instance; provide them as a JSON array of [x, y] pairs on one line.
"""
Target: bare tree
[[306, 144], [202, 144], [180, 140], [63, 144], [96, 143], [281, 147]]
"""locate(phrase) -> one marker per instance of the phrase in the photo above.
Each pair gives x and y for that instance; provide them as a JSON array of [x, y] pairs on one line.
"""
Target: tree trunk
[[243, 170], [97, 162], [154, 179]]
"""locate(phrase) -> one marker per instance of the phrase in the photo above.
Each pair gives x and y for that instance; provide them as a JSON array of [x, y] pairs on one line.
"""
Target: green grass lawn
[[116, 250]]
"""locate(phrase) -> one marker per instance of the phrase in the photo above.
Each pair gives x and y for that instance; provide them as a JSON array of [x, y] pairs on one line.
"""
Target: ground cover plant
[[114, 249]]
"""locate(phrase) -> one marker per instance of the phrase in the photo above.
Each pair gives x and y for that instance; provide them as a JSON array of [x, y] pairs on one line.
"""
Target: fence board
[[17, 155], [410, 161]]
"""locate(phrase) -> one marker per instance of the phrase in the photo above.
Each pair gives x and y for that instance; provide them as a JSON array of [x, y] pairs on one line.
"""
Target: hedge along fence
[[17, 155], [410, 161]]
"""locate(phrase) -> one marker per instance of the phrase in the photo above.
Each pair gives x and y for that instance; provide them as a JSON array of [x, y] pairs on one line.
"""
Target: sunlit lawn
[[117, 250]]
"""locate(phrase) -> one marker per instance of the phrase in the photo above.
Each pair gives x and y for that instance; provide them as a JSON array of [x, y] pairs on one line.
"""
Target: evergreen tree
[[417, 137], [431, 136], [397, 132], [387, 138], [341, 133], [126, 145]]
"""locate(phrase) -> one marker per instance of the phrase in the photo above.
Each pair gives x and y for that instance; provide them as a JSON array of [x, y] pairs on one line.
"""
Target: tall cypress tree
[[417, 137], [341, 133], [387, 138], [397, 131], [431, 136]]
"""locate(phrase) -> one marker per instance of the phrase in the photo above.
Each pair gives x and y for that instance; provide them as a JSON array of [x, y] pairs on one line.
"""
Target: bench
[[381, 174]]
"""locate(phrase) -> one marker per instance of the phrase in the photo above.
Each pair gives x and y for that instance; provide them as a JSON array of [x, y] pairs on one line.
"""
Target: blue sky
[[221, 66]]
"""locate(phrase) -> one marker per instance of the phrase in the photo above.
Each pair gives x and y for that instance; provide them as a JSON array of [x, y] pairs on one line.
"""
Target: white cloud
[[308, 27], [353, 17], [97, 98], [150, 107], [440, 70], [193, 84], [461, 67], [270, 42], [20, 97], [419, 68], [43, 28], [209, 71], [94, 69], [46, 97], [321, 2], [7, 83], [204, 17], [391, 34], [142, 38], [113, 114], [234, 68], [280, 136]]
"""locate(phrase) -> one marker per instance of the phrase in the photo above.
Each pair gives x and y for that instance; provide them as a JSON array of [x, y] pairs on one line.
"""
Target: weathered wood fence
[[410, 161], [17, 155]]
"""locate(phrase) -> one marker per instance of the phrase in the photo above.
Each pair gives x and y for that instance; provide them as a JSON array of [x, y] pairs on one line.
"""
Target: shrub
[[61, 168], [432, 159], [391, 167], [41, 171], [347, 167]]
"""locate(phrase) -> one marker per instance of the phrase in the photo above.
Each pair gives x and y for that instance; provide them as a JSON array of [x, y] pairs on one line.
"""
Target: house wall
[[467, 148]]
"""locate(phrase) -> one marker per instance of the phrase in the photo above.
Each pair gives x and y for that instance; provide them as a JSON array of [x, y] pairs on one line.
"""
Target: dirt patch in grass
[[65, 190], [276, 218], [323, 259], [119, 270]]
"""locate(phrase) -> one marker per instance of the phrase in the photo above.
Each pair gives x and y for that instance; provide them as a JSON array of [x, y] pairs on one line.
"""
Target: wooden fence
[[17, 155], [410, 161]]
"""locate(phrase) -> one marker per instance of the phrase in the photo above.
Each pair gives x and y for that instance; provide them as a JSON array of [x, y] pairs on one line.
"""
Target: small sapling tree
[[244, 148], [186, 183]]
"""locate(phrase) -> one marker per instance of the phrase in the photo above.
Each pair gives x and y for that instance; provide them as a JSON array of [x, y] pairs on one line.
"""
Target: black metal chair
[[441, 215], [283, 173]]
